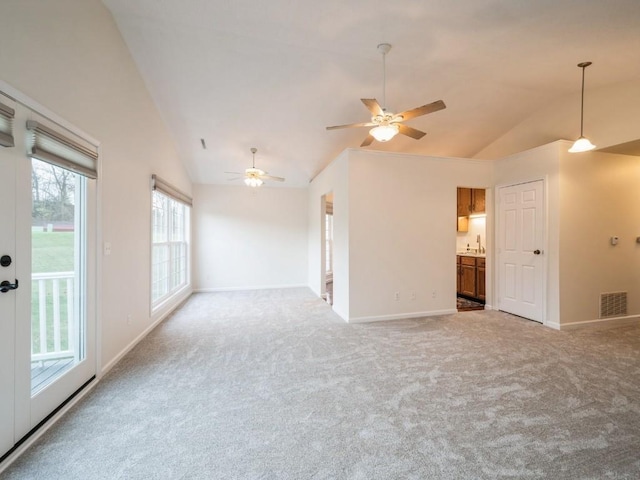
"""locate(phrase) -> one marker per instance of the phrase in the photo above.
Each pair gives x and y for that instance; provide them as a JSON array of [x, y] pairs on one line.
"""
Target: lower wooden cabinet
[[480, 279], [470, 280]]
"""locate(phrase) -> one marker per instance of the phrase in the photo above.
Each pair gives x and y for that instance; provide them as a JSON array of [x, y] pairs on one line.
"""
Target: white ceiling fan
[[254, 177], [387, 124]]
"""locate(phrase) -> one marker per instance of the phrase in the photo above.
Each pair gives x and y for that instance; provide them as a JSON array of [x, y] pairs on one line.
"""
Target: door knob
[[5, 260], [537, 252], [5, 286]]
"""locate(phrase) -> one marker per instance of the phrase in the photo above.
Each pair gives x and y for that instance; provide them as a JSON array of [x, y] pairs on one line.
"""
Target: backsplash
[[477, 226]]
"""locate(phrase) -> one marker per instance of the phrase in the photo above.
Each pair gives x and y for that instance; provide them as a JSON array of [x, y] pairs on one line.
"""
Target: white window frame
[[170, 243]]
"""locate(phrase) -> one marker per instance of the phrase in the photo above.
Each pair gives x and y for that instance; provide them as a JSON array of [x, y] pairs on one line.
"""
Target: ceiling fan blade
[[423, 110], [271, 177], [373, 106], [352, 125], [235, 173], [367, 141], [410, 131]]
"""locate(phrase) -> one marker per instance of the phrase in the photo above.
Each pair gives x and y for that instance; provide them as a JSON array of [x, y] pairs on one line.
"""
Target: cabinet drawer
[[464, 260], [481, 262]]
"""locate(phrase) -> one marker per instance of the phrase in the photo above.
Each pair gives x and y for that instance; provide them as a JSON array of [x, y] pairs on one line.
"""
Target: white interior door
[[47, 323], [520, 250]]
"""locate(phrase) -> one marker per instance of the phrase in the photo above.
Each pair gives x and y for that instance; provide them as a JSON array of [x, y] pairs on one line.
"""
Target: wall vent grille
[[613, 304]]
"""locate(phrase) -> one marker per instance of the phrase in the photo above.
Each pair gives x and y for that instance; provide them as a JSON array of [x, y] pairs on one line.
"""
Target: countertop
[[472, 254]]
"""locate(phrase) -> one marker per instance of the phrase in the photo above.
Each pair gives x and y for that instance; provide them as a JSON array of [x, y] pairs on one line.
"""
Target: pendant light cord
[[384, 82], [582, 103]]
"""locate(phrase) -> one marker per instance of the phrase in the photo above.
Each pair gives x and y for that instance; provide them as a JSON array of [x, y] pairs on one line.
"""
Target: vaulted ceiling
[[273, 74]]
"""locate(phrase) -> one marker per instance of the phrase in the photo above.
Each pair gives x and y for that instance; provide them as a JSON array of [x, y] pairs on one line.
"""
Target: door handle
[[5, 286], [537, 252]]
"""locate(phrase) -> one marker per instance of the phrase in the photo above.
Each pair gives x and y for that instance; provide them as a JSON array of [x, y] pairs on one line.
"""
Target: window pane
[[57, 240], [170, 247]]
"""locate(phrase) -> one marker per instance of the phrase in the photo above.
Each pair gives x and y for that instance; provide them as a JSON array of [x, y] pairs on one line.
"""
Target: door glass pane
[[58, 246]]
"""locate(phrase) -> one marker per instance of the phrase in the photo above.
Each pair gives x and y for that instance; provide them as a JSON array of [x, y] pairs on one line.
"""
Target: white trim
[[254, 287], [600, 322], [402, 316]]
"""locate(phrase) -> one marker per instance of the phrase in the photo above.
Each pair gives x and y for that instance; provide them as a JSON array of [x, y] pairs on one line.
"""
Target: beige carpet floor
[[273, 385]]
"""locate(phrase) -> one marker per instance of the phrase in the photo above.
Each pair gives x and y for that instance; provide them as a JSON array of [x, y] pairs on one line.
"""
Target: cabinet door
[[479, 200], [458, 274], [464, 201], [480, 283], [468, 280]]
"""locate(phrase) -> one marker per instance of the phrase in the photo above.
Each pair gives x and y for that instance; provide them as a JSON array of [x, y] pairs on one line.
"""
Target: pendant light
[[582, 144]]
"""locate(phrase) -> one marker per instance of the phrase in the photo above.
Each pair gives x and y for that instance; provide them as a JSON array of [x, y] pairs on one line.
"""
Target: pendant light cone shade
[[384, 133], [582, 144]]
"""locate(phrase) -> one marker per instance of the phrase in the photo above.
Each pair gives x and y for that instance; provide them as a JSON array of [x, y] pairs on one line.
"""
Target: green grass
[[51, 252]]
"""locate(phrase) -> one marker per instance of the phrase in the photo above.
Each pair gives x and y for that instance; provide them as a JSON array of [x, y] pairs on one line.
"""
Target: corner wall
[[334, 178], [403, 212], [600, 198]]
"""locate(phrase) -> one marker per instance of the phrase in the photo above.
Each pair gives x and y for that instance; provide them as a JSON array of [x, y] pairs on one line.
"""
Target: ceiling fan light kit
[[582, 144], [384, 133], [387, 125], [254, 177]]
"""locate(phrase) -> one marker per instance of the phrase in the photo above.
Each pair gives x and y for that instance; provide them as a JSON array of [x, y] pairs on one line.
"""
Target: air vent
[[613, 304]]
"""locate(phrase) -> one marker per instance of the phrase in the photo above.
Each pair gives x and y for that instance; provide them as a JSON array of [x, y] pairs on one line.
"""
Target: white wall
[[247, 238], [334, 178], [69, 56], [403, 232], [600, 198], [590, 197]]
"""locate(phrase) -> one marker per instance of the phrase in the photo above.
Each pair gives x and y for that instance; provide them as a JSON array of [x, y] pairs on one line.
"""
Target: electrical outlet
[[129, 319], [396, 296], [413, 295], [434, 294]]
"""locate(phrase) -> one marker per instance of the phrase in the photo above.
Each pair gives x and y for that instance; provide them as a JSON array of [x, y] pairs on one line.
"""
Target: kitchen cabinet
[[471, 201], [480, 279], [470, 278], [464, 201]]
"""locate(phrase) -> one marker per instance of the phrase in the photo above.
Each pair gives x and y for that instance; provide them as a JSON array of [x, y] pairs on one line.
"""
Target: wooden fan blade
[[271, 177], [373, 106], [351, 125], [410, 131], [367, 141], [423, 110]]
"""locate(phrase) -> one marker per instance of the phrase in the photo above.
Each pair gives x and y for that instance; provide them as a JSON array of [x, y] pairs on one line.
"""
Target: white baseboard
[[254, 287], [402, 316], [600, 322], [164, 314]]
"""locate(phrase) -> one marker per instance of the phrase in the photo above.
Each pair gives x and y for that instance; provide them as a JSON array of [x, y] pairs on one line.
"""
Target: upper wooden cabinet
[[470, 201]]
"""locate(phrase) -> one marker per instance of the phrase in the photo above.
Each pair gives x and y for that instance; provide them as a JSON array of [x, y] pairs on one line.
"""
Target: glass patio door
[[48, 315]]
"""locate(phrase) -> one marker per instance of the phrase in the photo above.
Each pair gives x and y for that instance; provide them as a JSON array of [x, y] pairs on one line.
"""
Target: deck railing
[[53, 325]]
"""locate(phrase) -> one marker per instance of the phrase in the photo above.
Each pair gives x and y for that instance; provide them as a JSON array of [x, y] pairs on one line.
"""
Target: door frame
[[545, 241], [27, 431]]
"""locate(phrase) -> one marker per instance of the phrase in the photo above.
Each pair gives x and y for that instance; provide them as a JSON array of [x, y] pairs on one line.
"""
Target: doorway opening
[[471, 234], [327, 234]]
